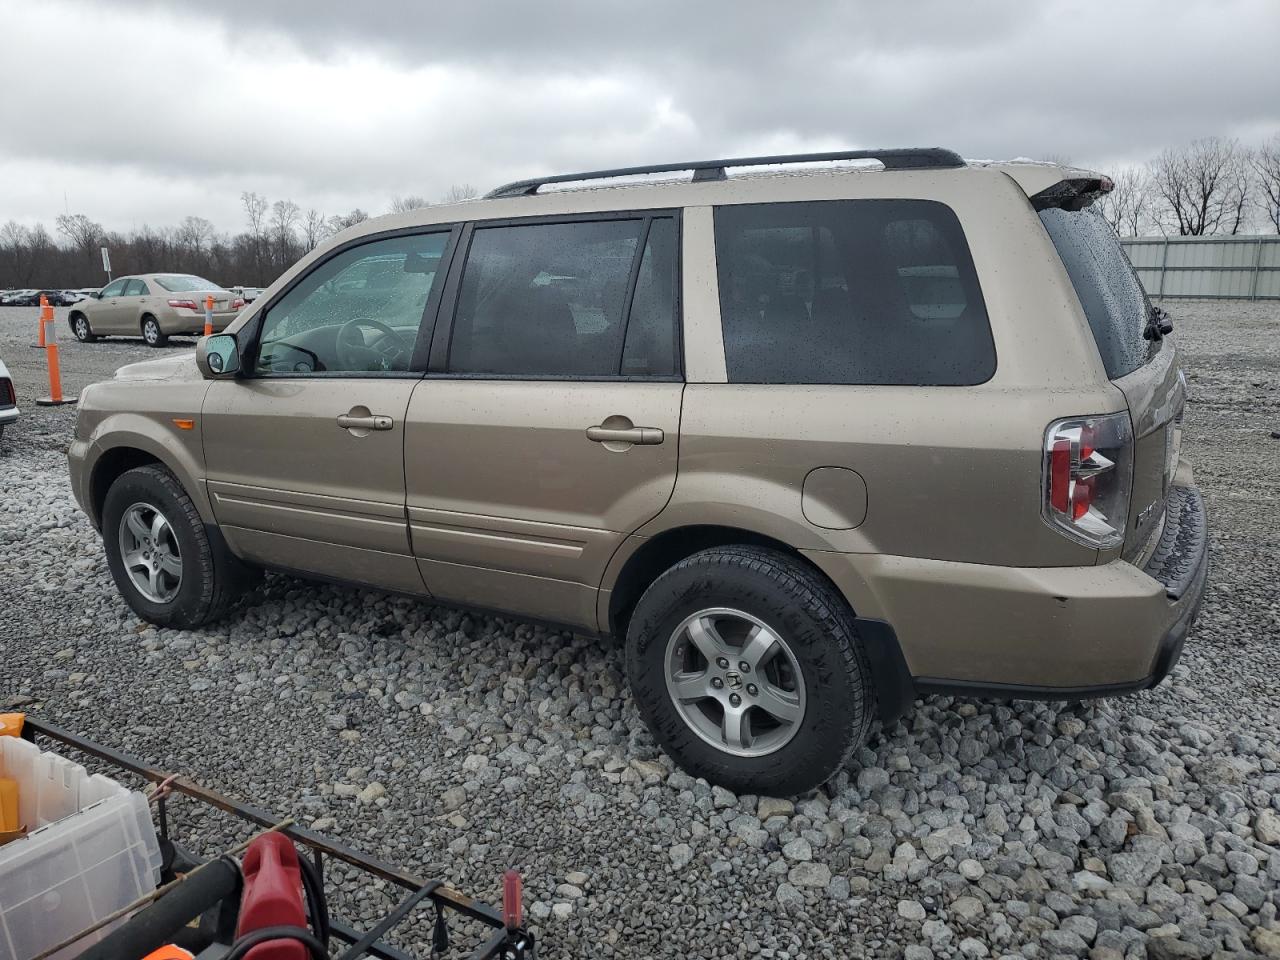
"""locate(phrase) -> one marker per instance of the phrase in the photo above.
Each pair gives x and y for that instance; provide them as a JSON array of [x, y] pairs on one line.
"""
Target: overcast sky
[[140, 112]]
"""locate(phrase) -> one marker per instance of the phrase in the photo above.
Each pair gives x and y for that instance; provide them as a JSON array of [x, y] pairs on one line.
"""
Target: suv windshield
[[182, 283], [1109, 290]]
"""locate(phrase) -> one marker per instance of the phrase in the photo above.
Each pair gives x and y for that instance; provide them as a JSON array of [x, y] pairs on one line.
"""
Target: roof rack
[[898, 158]]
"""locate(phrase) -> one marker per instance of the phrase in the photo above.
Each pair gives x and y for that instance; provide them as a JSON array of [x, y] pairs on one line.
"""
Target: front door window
[[360, 311]]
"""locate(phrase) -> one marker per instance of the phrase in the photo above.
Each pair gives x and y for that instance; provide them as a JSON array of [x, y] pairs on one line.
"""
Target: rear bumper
[[178, 325], [1040, 632], [8, 414]]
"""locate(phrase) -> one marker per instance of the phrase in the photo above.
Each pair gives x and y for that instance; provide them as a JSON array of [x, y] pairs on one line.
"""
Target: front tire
[[747, 668], [80, 327], [160, 554], [152, 333]]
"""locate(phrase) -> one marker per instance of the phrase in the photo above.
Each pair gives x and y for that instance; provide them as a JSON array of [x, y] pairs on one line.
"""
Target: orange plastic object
[[170, 952], [55, 373], [11, 724], [8, 804], [272, 896]]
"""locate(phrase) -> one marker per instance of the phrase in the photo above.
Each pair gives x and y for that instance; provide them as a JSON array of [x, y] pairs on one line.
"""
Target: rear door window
[[135, 288], [569, 299], [1109, 291], [850, 291]]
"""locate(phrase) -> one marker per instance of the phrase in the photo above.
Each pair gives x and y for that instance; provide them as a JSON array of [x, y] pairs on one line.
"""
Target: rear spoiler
[[1075, 193]]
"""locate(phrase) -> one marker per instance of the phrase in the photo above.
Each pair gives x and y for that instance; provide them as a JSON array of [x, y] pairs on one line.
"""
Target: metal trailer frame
[[504, 943]]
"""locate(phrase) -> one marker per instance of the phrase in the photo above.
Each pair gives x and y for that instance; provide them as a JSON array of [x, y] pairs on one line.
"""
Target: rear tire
[[804, 659], [169, 571], [152, 333], [80, 327]]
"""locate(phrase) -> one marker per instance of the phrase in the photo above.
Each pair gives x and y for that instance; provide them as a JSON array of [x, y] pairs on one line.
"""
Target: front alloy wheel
[[81, 329], [169, 567], [150, 553]]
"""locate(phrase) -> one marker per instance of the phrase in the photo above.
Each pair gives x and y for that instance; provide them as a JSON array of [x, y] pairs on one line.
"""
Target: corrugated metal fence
[[1220, 267]]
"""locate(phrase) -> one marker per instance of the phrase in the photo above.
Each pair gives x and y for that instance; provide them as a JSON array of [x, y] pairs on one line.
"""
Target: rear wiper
[[1159, 324]]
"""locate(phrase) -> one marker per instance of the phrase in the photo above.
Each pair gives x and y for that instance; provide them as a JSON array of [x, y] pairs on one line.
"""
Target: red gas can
[[272, 896]]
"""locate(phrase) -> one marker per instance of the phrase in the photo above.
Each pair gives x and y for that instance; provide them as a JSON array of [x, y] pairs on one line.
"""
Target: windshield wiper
[[1159, 324]]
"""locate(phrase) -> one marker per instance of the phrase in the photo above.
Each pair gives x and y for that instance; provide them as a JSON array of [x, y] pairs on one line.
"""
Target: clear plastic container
[[91, 850]]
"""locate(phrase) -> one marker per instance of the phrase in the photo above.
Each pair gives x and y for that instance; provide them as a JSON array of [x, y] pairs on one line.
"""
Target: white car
[[8, 399]]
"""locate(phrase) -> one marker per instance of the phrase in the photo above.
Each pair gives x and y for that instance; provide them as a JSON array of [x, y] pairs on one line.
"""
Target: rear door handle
[[372, 422], [640, 435]]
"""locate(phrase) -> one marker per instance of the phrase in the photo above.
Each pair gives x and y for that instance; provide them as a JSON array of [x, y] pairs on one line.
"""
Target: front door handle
[[619, 434], [350, 421]]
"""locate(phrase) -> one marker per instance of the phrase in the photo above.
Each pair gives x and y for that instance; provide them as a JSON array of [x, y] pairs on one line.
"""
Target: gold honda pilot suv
[[814, 437]]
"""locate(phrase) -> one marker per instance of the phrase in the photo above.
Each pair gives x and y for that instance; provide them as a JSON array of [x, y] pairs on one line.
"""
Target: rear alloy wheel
[[747, 668], [80, 327], [735, 682], [152, 333]]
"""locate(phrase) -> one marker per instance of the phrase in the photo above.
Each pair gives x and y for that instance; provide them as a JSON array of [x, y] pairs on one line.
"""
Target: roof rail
[[898, 158]]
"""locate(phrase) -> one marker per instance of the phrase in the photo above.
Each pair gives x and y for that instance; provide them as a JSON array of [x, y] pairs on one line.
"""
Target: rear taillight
[[1088, 467], [237, 303], [7, 399], [188, 304]]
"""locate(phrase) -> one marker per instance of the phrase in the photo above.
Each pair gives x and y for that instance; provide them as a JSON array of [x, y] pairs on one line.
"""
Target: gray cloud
[[174, 108]]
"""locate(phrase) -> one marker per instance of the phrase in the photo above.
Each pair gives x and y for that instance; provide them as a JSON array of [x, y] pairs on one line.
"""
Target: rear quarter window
[[852, 292], [1109, 291]]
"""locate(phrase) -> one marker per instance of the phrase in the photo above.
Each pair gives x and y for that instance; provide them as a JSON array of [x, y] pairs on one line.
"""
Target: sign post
[[106, 262]]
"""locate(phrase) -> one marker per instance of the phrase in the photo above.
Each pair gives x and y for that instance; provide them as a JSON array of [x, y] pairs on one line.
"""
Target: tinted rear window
[[576, 299], [850, 291], [1109, 291]]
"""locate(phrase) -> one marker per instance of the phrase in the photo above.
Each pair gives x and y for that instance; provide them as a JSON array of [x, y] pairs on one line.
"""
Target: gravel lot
[[458, 745]]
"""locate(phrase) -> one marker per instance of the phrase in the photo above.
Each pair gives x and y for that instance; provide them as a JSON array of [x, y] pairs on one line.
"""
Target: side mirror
[[218, 357]]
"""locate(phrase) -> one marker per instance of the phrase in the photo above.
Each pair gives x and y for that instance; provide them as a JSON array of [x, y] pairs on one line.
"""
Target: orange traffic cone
[[55, 397], [208, 315], [46, 316]]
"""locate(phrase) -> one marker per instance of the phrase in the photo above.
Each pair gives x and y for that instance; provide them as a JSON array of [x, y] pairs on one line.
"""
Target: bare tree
[[1266, 168], [1126, 206], [16, 259], [460, 191], [405, 204], [314, 228], [82, 232], [194, 233], [1202, 188], [341, 221], [255, 211], [284, 219]]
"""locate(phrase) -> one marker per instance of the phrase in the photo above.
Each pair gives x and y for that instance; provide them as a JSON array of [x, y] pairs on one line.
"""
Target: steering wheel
[[387, 351]]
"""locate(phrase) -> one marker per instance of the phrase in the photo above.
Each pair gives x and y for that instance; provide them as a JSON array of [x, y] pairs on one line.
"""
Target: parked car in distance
[[154, 306], [249, 294], [813, 443], [31, 298], [8, 399]]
